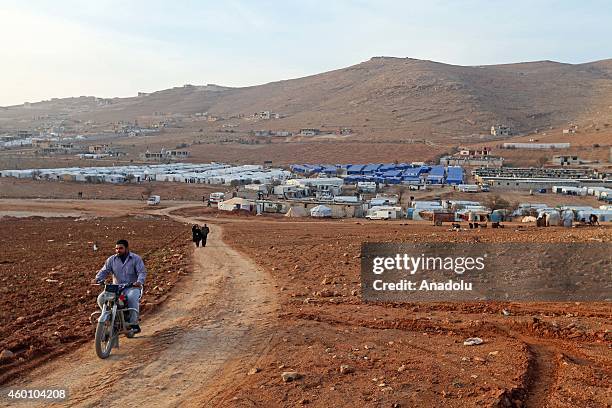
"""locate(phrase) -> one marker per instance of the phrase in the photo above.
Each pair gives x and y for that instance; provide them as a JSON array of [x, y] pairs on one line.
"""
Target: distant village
[[359, 190], [367, 190]]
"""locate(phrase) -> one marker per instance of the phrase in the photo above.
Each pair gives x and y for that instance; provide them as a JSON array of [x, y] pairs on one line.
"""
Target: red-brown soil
[[543, 353], [46, 266], [410, 354]]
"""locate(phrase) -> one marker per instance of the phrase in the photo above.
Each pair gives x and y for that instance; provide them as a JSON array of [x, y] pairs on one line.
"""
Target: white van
[[154, 200], [216, 198], [468, 188], [384, 213]]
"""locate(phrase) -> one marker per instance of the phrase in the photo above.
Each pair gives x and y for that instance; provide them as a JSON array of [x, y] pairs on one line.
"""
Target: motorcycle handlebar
[[121, 285]]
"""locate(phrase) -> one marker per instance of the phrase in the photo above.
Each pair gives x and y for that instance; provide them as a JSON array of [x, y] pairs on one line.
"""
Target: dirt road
[[210, 332]]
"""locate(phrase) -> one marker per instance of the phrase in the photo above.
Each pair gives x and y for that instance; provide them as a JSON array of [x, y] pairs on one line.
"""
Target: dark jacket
[[205, 231], [197, 234]]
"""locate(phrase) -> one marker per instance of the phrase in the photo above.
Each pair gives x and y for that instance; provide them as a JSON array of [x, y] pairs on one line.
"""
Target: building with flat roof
[[536, 145], [500, 130]]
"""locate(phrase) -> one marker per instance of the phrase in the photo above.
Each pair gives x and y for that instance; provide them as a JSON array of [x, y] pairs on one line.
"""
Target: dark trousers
[[197, 243], [204, 241]]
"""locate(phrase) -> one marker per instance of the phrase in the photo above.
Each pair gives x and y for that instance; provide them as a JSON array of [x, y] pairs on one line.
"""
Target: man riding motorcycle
[[126, 267]]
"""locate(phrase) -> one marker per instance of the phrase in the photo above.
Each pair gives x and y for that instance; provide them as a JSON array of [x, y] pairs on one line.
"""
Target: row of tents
[[213, 173], [414, 173], [601, 193], [451, 210], [319, 211], [242, 204]]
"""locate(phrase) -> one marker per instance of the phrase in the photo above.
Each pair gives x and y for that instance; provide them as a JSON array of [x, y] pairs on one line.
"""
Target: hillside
[[384, 97]]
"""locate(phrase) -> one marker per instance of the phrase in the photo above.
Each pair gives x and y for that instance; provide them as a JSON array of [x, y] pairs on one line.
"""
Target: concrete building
[[473, 157], [330, 186], [99, 149], [536, 145], [266, 115], [538, 172], [500, 130], [54, 147], [263, 115], [511, 183], [165, 154], [539, 178], [489, 161], [476, 152], [566, 160], [266, 133], [180, 154], [309, 132], [22, 134]]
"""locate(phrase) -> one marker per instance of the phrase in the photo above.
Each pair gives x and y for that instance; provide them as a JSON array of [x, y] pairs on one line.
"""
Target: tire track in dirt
[[541, 374], [544, 356], [215, 319]]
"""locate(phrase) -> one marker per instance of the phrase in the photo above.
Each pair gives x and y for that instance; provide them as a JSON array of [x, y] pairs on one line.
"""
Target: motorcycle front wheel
[[105, 338]]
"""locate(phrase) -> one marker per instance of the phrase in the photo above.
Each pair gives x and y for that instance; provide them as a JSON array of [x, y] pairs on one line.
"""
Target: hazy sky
[[116, 48]]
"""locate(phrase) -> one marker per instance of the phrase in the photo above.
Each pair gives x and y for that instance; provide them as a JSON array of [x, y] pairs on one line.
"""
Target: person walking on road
[[204, 234], [196, 234]]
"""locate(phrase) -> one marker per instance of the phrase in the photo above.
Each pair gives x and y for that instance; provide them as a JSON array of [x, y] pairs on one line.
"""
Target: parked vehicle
[[384, 213], [216, 198], [468, 188], [154, 200]]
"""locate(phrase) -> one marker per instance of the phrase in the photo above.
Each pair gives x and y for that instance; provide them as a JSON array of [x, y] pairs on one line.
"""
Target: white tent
[[320, 211], [529, 218], [603, 214], [296, 212], [567, 217], [553, 219], [235, 203]]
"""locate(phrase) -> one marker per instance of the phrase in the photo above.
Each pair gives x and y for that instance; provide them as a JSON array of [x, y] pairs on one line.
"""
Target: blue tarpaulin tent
[[436, 175], [455, 175], [354, 169], [370, 168]]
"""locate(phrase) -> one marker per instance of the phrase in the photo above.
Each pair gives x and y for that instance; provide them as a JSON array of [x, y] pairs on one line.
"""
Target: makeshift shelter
[[497, 216], [454, 175], [235, 203], [296, 212], [529, 218], [472, 215], [321, 211], [567, 217], [553, 218], [436, 175]]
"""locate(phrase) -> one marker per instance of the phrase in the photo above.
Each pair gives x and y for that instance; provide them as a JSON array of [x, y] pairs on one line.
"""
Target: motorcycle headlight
[[106, 296]]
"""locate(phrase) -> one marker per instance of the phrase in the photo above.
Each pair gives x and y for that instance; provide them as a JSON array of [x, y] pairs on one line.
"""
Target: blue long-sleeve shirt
[[130, 271]]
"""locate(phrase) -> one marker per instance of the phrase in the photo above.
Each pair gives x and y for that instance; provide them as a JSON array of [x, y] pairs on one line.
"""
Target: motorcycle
[[113, 320]]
